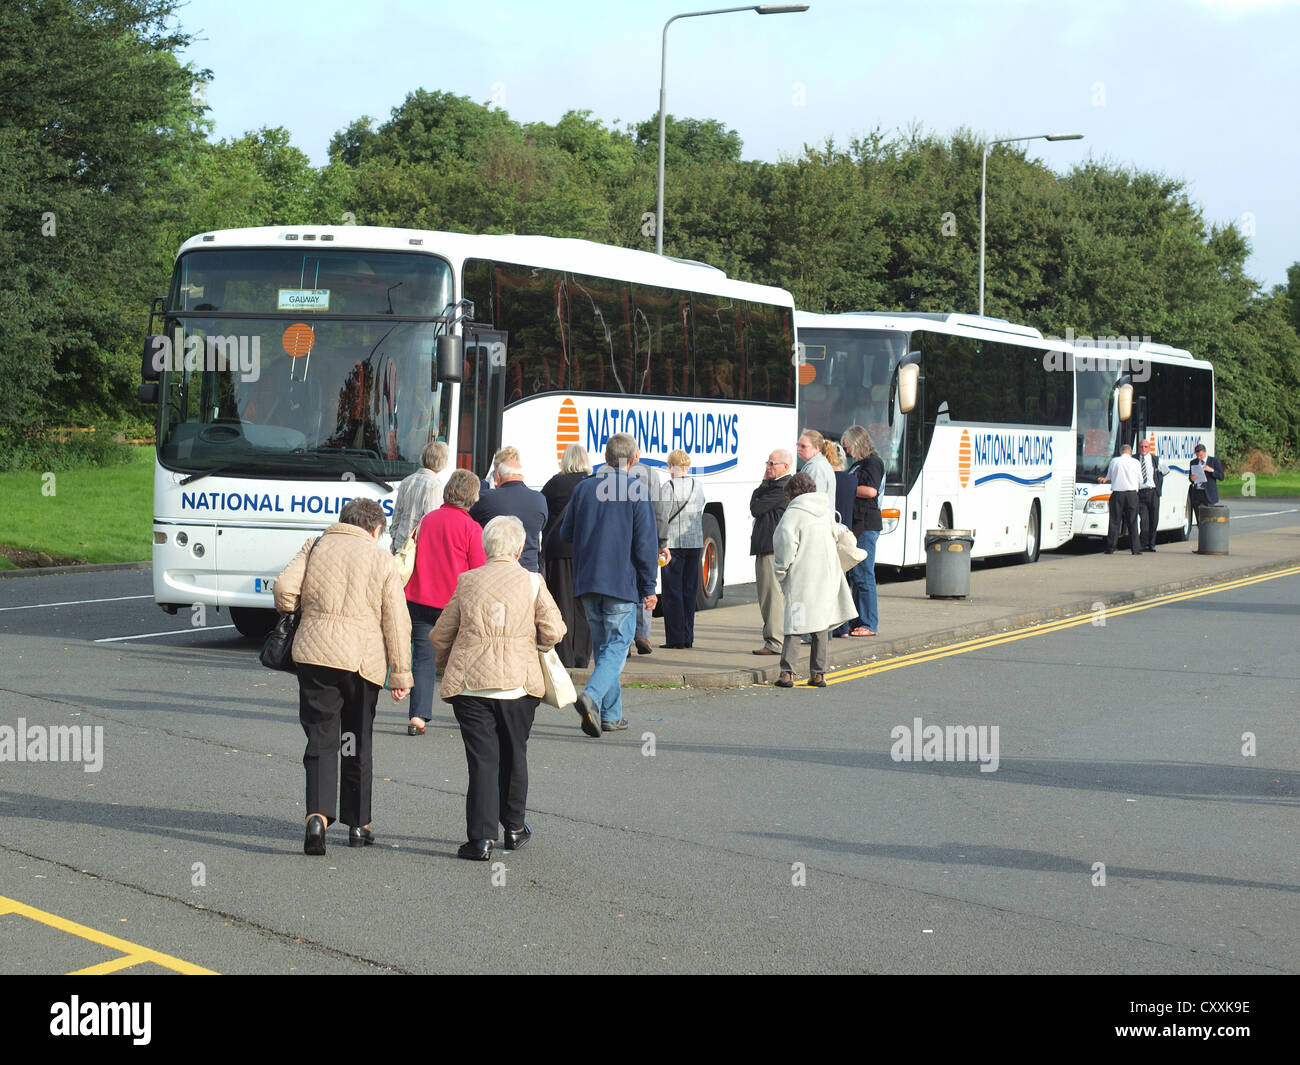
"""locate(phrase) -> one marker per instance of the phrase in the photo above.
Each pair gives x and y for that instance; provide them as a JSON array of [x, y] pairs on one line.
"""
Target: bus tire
[[1184, 531], [711, 559], [253, 622], [1033, 534]]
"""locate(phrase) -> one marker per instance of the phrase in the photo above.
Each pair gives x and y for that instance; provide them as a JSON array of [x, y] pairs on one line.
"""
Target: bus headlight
[[888, 520], [1097, 506]]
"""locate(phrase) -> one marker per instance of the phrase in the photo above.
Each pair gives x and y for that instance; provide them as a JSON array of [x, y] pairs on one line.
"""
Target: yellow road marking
[[1059, 625], [132, 953]]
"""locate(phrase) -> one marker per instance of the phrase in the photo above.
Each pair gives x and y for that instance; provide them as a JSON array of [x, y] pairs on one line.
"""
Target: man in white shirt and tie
[[1148, 494], [1124, 476]]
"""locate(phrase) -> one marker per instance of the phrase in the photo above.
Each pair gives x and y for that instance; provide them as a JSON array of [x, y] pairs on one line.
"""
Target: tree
[[97, 109]]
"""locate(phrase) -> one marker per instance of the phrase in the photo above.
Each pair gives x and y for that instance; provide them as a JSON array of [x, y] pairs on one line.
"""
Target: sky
[[1204, 91]]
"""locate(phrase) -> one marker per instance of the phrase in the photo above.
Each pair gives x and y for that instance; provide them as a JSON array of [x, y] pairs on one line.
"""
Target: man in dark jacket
[[1149, 494], [1205, 473], [767, 504], [511, 496], [615, 539]]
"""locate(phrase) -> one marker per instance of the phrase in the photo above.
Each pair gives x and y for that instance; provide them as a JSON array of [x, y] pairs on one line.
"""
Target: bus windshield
[[1098, 425], [846, 378], [303, 362]]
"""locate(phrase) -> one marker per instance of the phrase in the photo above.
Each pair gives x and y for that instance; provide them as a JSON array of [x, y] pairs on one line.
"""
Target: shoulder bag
[[406, 556], [277, 652]]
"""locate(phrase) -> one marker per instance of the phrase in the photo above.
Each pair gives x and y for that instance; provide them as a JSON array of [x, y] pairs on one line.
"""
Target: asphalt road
[[770, 831]]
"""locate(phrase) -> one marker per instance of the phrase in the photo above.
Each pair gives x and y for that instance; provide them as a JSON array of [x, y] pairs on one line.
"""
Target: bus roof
[[557, 253], [968, 324]]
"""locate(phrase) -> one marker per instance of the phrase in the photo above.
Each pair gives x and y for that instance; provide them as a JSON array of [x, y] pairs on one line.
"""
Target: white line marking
[[169, 632], [78, 602], [1268, 514]]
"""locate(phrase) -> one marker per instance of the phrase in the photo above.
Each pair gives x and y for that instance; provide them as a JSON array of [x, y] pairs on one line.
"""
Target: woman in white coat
[[817, 596]]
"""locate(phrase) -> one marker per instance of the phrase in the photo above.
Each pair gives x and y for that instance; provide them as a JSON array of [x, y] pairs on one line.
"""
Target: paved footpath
[[1004, 595]]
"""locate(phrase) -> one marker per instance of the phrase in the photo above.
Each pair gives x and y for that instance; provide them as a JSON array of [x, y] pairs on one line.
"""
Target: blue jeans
[[612, 622], [862, 579], [423, 618]]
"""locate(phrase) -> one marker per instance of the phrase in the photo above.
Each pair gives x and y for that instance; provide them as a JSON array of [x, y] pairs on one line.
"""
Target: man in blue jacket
[[511, 496], [612, 527]]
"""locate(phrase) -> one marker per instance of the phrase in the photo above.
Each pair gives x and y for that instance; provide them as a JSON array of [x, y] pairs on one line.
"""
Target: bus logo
[[963, 458], [566, 428]]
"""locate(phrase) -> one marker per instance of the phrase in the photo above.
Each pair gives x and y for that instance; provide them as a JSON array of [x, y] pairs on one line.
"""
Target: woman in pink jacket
[[449, 543]]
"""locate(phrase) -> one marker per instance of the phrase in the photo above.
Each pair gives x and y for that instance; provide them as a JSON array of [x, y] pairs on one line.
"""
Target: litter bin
[[947, 563], [1212, 530]]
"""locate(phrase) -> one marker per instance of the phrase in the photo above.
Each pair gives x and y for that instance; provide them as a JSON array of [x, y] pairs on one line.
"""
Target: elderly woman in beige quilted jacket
[[486, 643], [355, 632]]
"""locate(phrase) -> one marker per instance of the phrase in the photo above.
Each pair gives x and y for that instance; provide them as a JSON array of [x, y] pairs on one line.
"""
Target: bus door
[[482, 398]]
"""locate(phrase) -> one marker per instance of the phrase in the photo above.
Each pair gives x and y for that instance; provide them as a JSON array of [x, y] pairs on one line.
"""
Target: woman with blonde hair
[[449, 543], [557, 557], [684, 502], [868, 471]]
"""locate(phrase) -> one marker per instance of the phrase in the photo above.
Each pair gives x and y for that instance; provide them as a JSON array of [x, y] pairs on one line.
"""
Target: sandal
[[415, 730], [862, 630]]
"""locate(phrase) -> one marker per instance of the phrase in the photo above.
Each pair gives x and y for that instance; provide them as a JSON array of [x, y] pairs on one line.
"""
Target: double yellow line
[[1059, 625]]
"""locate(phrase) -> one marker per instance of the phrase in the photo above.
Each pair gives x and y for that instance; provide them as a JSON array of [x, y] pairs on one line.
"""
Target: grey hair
[[503, 536], [434, 456], [784, 455], [857, 442], [575, 460], [620, 450], [509, 468], [364, 514], [461, 489]]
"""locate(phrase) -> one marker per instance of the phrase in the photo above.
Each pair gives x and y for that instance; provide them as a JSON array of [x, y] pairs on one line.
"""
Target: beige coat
[[805, 561], [354, 614], [488, 635]]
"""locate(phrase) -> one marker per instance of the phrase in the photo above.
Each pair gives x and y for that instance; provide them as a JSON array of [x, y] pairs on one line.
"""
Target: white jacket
[[817, 596]]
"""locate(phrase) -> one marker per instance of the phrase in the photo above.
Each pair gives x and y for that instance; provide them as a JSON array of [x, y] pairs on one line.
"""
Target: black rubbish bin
[[1212, 530], [947, 563]]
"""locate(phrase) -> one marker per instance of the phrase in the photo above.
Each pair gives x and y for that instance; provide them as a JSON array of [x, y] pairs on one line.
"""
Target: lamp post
[[984, 167], [762, 9]]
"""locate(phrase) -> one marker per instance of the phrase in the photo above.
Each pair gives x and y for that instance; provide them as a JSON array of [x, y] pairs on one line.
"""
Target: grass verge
[[97, 514], [1286, 483]]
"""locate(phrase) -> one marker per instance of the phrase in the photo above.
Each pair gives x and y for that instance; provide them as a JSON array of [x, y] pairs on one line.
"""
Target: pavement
[[1004, 594]]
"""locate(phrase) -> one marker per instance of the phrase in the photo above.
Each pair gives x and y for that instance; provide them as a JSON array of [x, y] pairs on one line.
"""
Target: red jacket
[[450, 542]]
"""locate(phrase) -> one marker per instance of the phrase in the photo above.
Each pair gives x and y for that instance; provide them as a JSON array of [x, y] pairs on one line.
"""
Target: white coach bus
[[988, 444], [1169, 402], [298, 367]]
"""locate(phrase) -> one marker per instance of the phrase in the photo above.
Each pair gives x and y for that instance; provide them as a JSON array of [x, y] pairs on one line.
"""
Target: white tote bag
[[560, 691]]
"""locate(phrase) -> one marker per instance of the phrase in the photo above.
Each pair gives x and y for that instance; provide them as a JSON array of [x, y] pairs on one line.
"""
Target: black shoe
[[785, 680], [817, 680], [517, 840], [415, 730], [314, 841], [675, 646], [614, 726], [1109, 551], [1148, 549], [590, 714], [643, 647], [475, 850], [360, 837]]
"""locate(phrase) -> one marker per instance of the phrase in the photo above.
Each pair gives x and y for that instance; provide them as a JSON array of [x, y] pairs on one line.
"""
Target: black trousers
[[495, 733], [1148, 504], [575, 649], [681, 584], [1124, 510], [337, 711]]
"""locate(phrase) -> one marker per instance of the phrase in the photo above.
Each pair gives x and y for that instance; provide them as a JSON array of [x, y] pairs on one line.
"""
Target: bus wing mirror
[[157, 348], [907, 375], [450, 362], [147, 393], [1124, 401]]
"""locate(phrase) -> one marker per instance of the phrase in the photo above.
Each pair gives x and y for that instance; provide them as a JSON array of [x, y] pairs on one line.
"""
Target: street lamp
[[762, 9], [984, 166]]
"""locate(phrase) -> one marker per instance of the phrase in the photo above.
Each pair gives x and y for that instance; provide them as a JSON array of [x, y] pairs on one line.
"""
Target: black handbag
[[277, 652]]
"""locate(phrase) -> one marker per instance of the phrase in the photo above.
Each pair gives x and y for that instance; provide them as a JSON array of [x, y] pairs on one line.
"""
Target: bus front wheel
[[1184, 531], [710, 593], [252, 622]]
